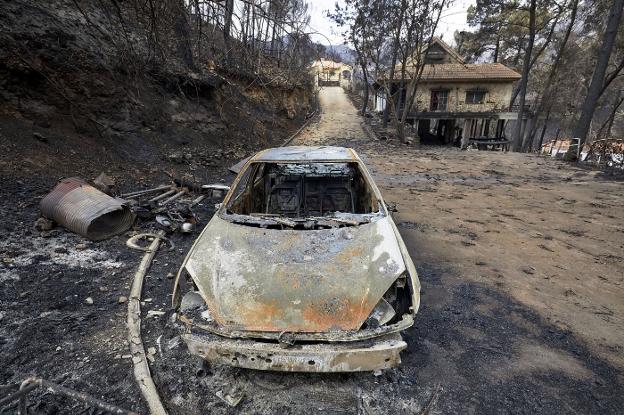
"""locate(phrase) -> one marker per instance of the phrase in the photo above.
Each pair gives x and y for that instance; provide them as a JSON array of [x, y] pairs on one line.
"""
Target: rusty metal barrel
[[83, 209]]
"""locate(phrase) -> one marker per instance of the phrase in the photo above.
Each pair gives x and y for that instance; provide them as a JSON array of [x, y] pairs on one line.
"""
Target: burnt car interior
[[301, 190]]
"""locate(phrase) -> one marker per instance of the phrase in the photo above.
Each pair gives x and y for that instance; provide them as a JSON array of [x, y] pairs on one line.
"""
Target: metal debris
[[174, 343], [172, 205], [236, 168], [132, 242], [85, 210], [563, 148], [380, 353], [432, 401], [609, 152], [187, 227], [163, 221], [104, 183], [161, 196], [147, 191], [43, 224], [490, 143], [31, 384], [232, 398]]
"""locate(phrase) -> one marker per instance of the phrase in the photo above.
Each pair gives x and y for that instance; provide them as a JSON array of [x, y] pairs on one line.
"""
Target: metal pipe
[[139, 358], [197, 200], [83, 209], [162, 196], [174, 197], [104, 406], [144, 192]]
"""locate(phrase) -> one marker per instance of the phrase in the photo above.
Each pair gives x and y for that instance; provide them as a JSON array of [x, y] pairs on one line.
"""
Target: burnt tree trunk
[[395, 53], [517, 140], [541, 140], [497, 49], [366, 94], [199, 29], [182, 31], [529, 133], [528, 140], [608, 124], [227, 27], [596, 86], [612, 117], [362, 63]]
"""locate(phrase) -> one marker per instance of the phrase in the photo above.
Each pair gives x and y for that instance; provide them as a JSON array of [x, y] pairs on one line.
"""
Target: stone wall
[[497, 96]]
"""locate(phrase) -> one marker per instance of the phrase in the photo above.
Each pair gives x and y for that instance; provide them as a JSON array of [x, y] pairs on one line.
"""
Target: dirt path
[[338, 120]]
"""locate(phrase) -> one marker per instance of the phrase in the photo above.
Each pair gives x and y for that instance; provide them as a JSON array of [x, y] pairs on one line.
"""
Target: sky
[[454, 18]]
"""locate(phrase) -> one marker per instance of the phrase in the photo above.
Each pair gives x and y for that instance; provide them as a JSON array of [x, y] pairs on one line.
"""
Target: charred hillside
[[88, 86]]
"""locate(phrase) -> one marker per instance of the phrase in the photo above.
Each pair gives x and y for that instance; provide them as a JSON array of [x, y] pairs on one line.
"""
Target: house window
[[475, 97], [439, 100]]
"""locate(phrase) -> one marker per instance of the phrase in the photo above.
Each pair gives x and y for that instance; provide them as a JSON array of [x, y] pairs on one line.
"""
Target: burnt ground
[[520, 260]]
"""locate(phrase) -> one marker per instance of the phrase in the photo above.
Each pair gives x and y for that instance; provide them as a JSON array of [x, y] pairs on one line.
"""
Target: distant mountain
[[341, 52]]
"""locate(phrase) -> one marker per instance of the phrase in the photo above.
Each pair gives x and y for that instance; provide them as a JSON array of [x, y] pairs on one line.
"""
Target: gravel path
[[338, 120]]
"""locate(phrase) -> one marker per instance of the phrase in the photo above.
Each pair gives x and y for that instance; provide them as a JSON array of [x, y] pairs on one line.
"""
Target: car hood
[[294, 280]]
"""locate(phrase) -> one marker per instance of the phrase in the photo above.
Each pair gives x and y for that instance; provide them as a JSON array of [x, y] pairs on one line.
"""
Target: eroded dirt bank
[[81, 92], [520, 259]]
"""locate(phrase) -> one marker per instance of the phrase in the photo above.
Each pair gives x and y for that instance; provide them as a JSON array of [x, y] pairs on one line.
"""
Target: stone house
[[329, 73], [456, 101]]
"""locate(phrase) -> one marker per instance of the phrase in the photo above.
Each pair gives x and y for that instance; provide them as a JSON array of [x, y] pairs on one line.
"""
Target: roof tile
[[466, 71]]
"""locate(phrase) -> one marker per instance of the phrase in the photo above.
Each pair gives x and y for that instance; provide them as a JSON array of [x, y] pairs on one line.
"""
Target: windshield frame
[[252, 163]]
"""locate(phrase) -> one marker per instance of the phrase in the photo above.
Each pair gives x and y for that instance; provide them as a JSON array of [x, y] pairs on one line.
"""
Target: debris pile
[[172, 206], [561, 148], [609, 152], [94, 214]]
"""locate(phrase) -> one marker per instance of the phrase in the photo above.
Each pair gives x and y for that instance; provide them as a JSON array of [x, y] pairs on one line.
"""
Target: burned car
[[300, 269]]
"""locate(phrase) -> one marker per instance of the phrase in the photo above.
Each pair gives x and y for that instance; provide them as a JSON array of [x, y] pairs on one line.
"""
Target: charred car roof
[[305, 154]]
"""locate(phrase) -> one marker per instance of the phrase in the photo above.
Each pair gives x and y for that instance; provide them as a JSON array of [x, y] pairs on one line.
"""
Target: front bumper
[[368, 355]]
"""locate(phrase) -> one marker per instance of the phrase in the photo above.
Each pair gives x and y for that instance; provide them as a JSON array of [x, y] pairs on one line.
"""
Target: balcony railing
[[516, 107]]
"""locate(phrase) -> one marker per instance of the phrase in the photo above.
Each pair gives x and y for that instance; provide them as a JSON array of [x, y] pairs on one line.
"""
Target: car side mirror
[[216, 191]]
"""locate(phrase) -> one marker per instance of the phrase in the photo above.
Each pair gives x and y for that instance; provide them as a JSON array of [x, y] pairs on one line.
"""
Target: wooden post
[[466, 133], [499, 128], [450, 131], [416, 135]]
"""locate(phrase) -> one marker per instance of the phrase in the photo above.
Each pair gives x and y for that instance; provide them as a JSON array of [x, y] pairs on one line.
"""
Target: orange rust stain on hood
[[299, 281], [322, 317]]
